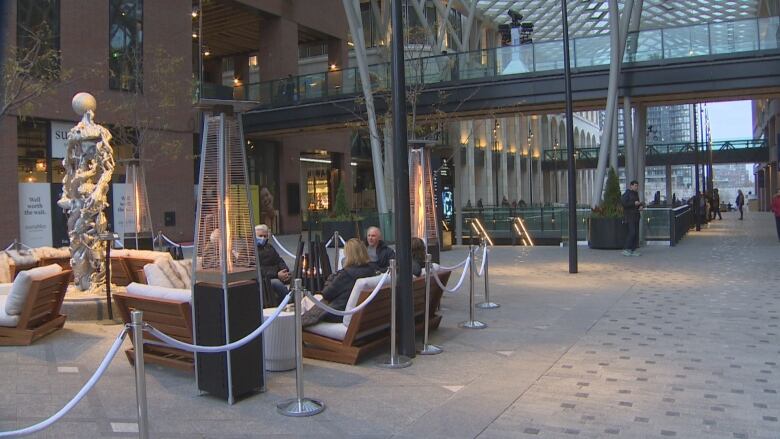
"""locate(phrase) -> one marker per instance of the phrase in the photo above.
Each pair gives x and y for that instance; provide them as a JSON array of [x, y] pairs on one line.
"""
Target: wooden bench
[[41, 313], [369, 328], [173, 317]]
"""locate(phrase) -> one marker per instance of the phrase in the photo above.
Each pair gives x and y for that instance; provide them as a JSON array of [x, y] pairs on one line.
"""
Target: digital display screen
[[447, 203]]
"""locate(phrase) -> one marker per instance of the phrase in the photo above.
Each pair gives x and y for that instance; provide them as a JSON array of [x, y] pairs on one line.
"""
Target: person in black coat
[[272, 266], [378, 252], [418, 256], [631, 208], [339, 287]]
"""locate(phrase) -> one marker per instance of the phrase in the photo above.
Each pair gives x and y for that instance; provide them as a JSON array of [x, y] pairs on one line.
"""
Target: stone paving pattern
[[680, 342]]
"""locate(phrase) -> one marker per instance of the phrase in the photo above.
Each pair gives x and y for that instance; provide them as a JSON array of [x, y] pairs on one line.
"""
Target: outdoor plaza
[[682, 342]]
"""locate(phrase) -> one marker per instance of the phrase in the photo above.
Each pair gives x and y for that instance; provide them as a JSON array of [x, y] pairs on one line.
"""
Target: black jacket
[[383, 255], [338, 289], [630, 209], [270, 261]]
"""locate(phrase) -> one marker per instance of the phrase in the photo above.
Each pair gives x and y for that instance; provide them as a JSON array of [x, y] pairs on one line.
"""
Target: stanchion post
[[336, 246], [140, 375], [428, 349], [487, 304], [472, 323], [394, 361], [299, 406]]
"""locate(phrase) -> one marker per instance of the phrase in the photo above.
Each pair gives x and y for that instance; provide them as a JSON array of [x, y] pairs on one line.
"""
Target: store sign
[[59, 138], [35, 214]]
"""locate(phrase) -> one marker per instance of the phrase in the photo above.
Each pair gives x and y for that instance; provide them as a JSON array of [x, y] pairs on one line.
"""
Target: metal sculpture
[[89, 166]]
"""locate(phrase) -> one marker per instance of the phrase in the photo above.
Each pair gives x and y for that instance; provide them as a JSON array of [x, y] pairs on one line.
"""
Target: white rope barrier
[[481, 270], [170, 341], [119, 244], [20, 244], [456, 266], [355, 309], [10, 246], [330, 241], [457, 286], [281, 247], [175, 244], [79, 396]]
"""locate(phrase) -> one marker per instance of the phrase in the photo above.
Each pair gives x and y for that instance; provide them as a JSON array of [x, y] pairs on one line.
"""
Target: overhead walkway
[[707, 61], [727, 151]]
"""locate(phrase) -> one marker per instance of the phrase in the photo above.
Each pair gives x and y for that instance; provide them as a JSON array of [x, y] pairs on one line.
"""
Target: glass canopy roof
[[590, 17]]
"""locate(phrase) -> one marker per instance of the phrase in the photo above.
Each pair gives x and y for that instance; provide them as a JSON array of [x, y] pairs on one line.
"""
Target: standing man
[[776, 210], [272, 266], [740, 202], [378, 252], [631, 208]]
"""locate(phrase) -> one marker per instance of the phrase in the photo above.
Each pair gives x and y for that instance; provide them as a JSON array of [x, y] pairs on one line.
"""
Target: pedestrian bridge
[[713, 61]]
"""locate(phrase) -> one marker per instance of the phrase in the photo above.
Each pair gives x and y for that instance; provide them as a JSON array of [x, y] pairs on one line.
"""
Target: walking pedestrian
[[776, 210], [631, 208], [716, 205]]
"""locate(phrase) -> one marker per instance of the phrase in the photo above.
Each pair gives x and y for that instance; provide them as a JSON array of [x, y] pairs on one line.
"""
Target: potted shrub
[[605, 228], [340, 218]]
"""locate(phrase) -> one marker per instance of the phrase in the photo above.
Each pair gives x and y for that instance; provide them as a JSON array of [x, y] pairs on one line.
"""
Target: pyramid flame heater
[[423, 199], [227, 297], [138, 232]]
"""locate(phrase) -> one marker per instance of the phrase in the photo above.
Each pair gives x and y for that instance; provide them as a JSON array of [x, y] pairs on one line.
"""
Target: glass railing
[[660, 149], [750, 35]]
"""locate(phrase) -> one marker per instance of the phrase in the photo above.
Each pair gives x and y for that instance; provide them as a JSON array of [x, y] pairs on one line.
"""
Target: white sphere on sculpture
[[83, 102]]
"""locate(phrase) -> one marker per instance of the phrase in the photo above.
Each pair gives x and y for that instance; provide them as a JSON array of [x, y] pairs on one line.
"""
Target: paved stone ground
[[681, 342]]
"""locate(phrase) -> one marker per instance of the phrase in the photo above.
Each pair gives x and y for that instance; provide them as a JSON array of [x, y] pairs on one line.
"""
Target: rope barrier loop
[[281, 247], [457, 286], [356, 309], [79, 396], [481, 270], [170, 341], [175, 244]]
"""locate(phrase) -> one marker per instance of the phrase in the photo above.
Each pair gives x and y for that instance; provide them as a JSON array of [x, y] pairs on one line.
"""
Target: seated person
[[272, 266], [338, 289], [418, 256], [379, 253]]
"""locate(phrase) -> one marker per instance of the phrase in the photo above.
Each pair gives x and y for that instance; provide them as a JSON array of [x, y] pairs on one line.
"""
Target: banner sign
[[59, 138], [35, 227]]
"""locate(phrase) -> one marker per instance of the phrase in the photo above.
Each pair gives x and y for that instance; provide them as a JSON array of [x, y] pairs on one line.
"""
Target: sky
[[731, 120]]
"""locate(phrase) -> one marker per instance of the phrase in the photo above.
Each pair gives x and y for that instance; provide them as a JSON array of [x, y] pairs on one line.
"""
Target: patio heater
[[227, 299], [137, 233], [422, 198]]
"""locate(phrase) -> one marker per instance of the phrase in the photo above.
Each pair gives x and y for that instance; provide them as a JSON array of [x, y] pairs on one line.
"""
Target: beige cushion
[[156, 277], [5, 289], [5, 319], [159, 292], [336, 331], [21, 286], [362, 284]]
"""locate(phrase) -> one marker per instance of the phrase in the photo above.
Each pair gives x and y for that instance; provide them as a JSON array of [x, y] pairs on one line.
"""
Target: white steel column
[[471, 182], [641, 149], [628, 139], [458, 186], [488, 183], [503, 175]]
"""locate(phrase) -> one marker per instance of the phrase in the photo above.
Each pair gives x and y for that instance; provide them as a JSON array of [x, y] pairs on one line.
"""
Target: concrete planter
[[606, 233]]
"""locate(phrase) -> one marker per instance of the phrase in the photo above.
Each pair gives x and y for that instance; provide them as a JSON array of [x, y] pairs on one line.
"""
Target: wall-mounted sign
[[35, 214], [118, 204], [59, 138]]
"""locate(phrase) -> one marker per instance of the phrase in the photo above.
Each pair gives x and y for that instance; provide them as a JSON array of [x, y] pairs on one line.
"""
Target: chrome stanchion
[[428, 349], [394, 361], [336, 246], [487, 304], [140, 376], [299, 406], [472, 323]]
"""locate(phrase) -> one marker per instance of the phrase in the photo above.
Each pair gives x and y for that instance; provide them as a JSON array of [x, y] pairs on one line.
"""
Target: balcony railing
[[663, 149], [650, 45]]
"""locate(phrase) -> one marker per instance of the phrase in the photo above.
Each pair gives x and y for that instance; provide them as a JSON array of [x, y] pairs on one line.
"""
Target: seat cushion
[[336, 331], [156, 277], [159, 292], [5, 289], [5, 319], [362, 284], [21, 287]]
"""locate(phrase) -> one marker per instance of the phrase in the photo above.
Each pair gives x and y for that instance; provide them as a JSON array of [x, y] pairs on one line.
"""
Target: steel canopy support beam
[[403, 226], [628, 139], [572, 180], [352, 10]]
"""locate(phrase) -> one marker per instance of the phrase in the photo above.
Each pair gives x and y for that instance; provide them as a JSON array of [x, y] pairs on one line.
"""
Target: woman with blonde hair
[[339, 287]]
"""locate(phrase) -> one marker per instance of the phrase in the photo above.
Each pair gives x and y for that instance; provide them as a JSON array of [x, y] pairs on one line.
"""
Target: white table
[[279, 341]]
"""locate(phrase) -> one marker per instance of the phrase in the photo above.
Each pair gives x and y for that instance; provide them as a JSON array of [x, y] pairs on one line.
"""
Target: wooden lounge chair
[[369, 328], [173, 316], [40, 314]]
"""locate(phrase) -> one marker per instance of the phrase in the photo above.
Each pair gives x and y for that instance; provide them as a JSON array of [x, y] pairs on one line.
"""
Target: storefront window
[[126, 44], [33, 159], [317, 188]]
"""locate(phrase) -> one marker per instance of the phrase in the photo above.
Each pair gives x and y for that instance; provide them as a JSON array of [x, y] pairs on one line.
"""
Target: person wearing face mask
[[272, 266]]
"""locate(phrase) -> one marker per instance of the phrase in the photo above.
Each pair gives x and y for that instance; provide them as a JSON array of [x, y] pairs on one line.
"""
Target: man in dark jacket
[[378, 252], [272, 266], [631, 208]]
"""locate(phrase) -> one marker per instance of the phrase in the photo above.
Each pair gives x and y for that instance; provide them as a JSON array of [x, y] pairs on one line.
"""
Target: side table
[[279, 341]]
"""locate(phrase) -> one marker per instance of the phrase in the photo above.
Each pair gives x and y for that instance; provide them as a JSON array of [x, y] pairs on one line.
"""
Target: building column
[[488, 165], [668, 172], [457, 181], [468, 134], [503, 163], [641, 149]]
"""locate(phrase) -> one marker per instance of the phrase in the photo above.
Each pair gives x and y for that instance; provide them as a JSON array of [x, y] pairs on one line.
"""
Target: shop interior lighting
[[311, 160]]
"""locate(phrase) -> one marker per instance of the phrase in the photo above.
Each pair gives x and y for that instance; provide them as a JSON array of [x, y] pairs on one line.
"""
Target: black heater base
[[143, 242], [246, 363]]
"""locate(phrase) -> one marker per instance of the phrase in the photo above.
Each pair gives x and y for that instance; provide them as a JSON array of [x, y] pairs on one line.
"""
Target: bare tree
[[30, 71]]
